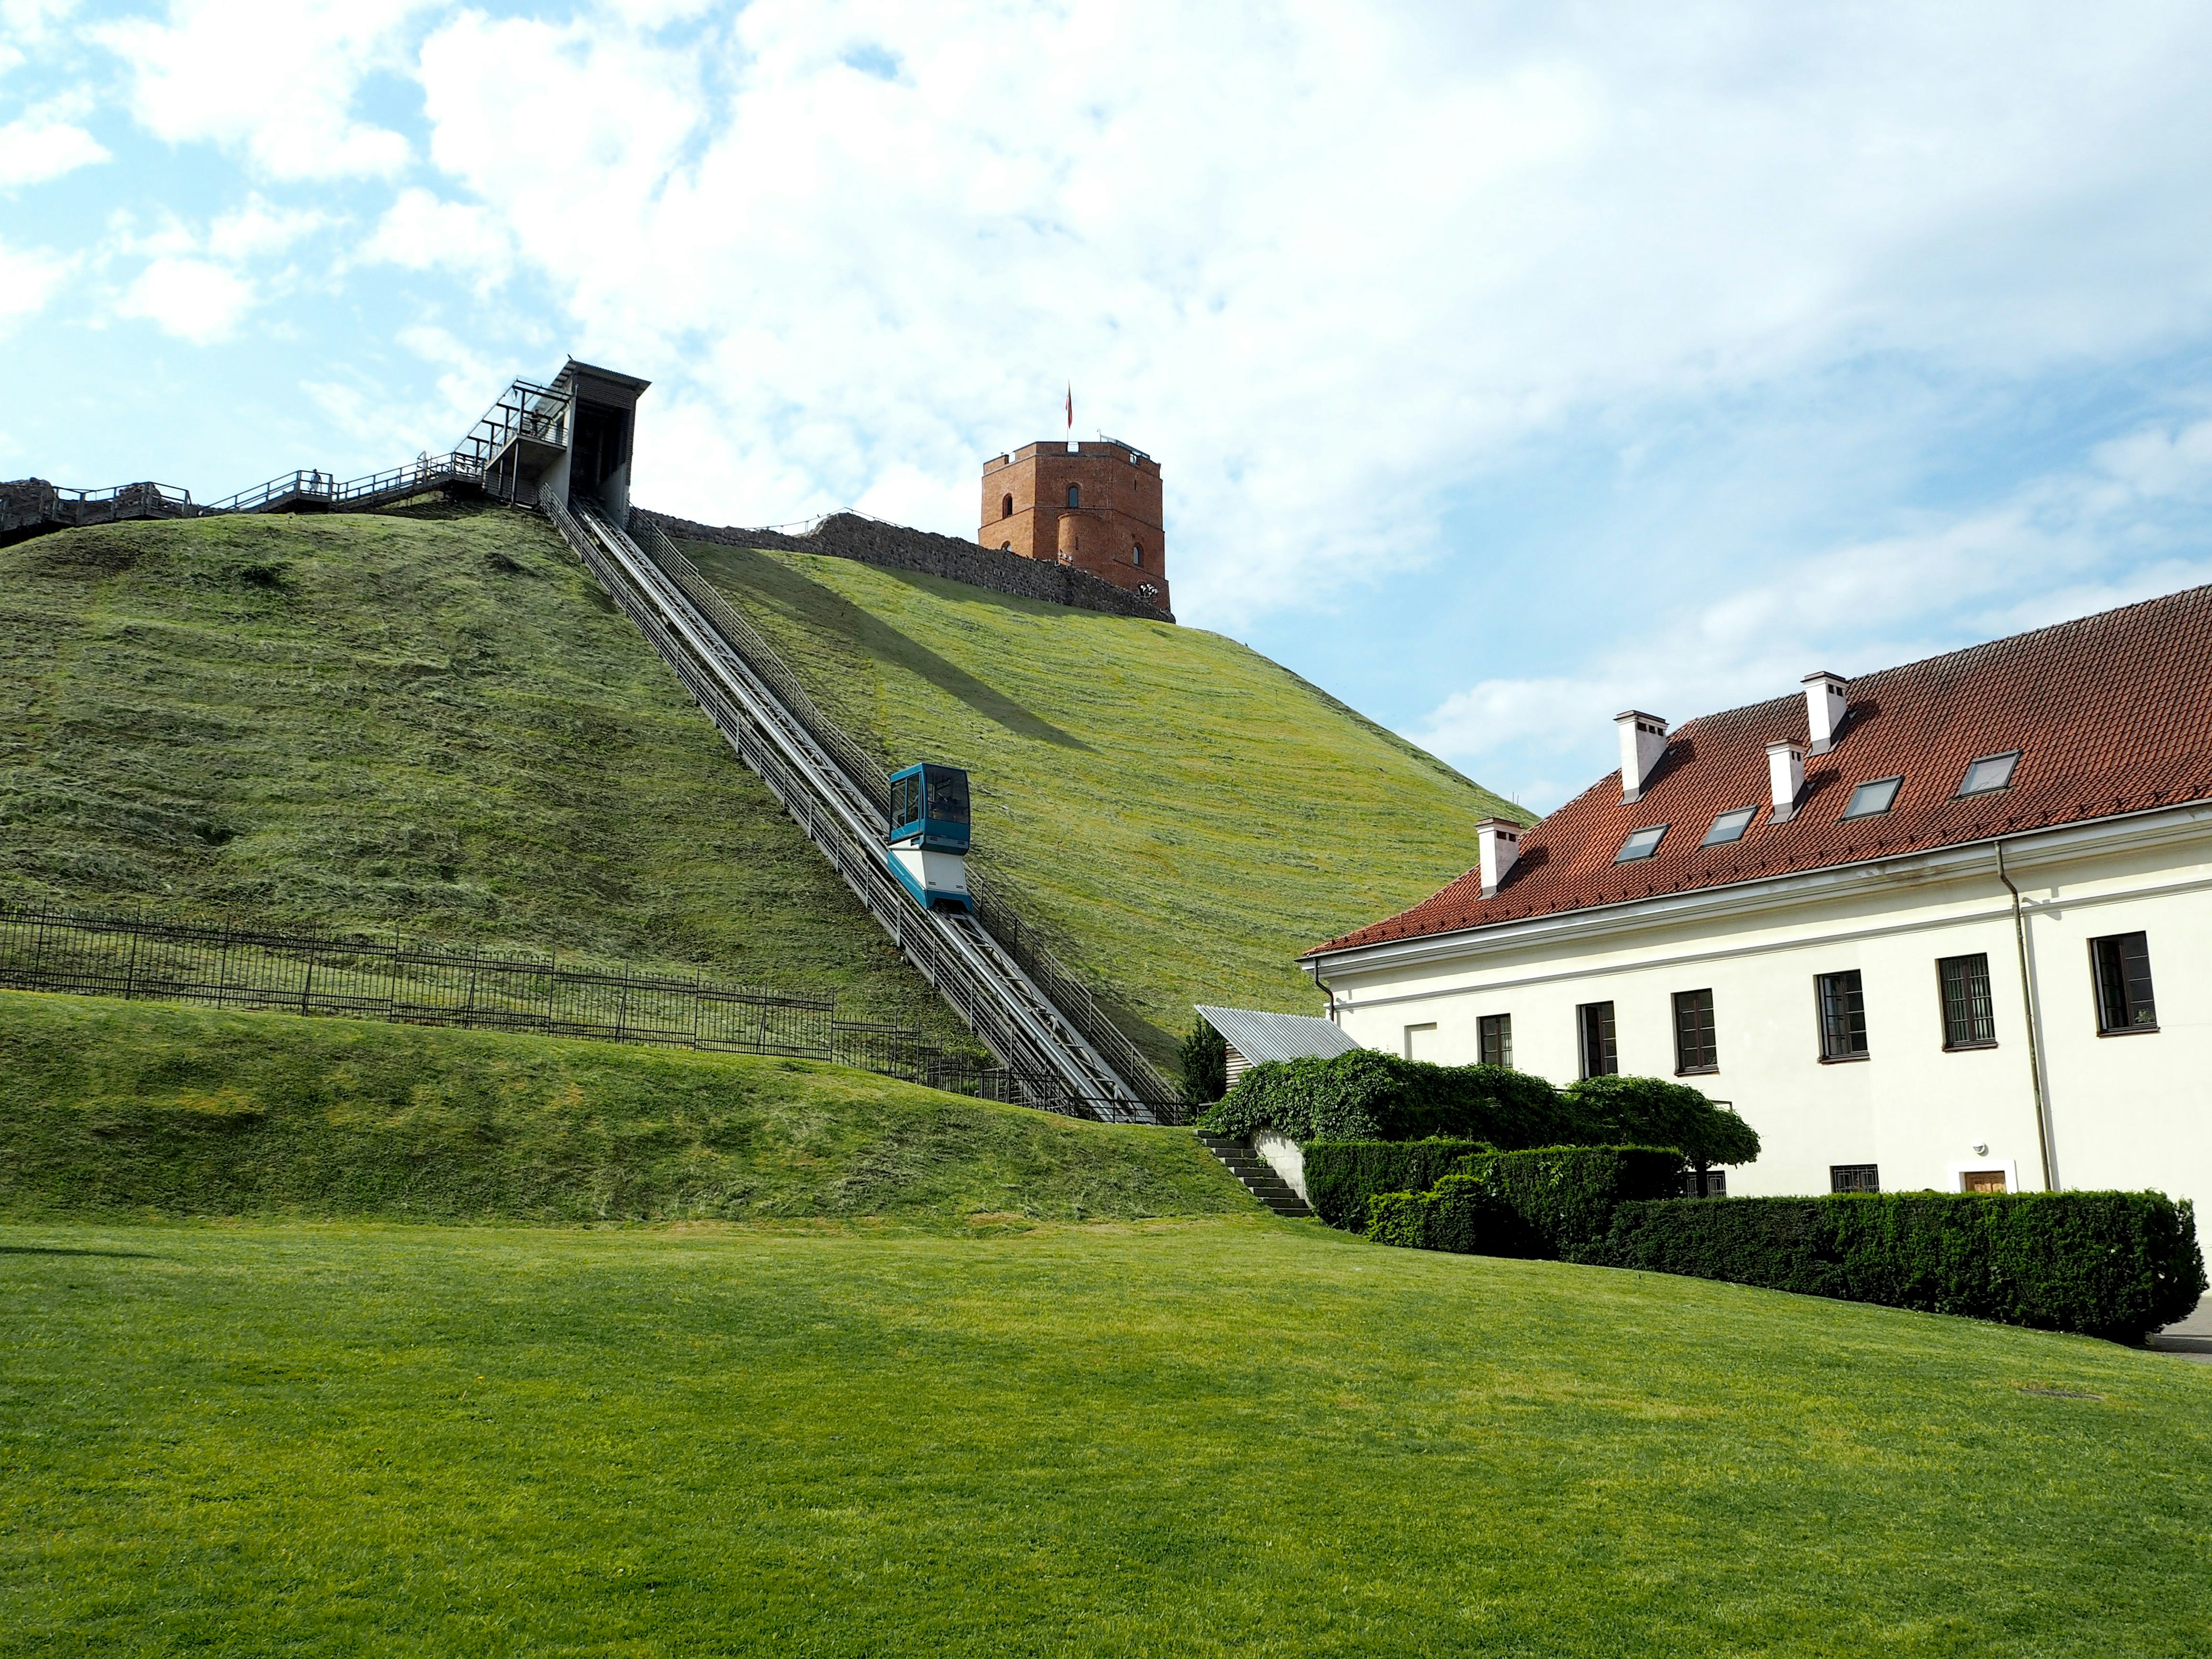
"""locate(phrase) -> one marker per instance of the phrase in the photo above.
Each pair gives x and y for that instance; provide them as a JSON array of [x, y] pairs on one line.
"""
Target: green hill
[[1181, 816], [436, 724], [112, 1108]]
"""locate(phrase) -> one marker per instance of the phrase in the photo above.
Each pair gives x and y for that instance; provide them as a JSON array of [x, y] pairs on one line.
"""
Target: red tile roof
[[2112, 714]]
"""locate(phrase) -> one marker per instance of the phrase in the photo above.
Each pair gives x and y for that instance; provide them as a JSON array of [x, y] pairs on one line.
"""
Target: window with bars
[[1843, 1016], [1853, 1177], [1600, 1054], [1695, 1049], [1969, 1015], [2122, 964], [1494, 1034]]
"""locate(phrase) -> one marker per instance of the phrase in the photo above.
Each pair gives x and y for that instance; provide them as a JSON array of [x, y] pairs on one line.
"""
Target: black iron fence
[[223, 965]]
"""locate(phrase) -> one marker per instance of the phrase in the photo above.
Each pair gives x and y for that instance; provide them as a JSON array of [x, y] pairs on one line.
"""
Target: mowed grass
[[1197, 1437], [1181, 815], [432, 725], [141, 1109]]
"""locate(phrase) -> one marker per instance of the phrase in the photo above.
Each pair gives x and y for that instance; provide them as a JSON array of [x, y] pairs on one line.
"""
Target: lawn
[[135, 1109], [1182, 815], [437, 725], [1174, 1438]]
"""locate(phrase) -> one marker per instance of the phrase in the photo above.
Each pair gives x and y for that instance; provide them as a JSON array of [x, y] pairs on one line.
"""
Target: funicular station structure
[[564, 448]]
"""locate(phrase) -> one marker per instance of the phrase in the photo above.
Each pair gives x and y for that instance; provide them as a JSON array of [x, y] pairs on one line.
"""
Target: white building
[[1948, 926]]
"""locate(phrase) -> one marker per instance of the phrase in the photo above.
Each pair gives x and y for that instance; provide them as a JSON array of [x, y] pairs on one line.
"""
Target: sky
[[1509, 366]]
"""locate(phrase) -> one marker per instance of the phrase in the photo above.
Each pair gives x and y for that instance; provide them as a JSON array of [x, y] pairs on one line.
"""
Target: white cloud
[[195, 299], [277, 83], [257, 230], [35, 149], [1328, 264], [2045, 554], [421, 233], [29, 277]]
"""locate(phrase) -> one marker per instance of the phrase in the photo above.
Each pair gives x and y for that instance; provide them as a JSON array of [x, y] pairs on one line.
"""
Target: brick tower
[[1096, 506]]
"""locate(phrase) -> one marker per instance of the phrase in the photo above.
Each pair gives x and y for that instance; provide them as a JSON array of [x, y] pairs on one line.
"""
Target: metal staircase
[[1050, 1061]]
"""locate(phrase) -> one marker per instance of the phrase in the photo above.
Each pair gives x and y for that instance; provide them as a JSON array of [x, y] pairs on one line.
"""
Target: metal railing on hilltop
[[422, 474]]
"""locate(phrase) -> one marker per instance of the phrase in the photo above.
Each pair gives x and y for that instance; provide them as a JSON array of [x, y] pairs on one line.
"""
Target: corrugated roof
[[1259, 1036], [2110, 713]]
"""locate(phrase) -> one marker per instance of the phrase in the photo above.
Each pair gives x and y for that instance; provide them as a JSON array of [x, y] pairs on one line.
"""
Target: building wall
[[1024, 509], [2129, 1111]]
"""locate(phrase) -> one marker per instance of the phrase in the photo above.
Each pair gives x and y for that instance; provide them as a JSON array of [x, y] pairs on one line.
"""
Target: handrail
[[1008, 1013], [423, 473]]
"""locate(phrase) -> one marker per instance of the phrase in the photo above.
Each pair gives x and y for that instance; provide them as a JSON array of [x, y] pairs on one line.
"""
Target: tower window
[[1137, 554], [1075, 495], [1006, 507]]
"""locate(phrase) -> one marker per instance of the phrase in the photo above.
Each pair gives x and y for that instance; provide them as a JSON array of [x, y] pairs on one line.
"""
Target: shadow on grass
[[59, 1249], [827, 608]]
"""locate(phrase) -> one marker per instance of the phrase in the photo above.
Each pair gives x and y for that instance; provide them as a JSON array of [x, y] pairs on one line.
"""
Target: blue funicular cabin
[[928, 839]]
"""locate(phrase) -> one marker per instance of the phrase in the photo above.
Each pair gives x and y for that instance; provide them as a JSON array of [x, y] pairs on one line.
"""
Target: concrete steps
[[1257, 1174]]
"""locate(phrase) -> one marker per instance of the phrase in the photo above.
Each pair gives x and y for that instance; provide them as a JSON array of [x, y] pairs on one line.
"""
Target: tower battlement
[[1095, 507]]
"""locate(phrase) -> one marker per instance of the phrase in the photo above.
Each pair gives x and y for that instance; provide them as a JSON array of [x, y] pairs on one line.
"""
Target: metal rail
[[1000, 919], [1054, 1065]]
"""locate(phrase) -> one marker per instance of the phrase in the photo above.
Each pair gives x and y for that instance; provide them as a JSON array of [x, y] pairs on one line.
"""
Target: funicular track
[[1051, 1062]]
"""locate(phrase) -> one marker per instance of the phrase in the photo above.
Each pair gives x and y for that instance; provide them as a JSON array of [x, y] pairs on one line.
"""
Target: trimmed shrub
[[1367, 1095], [1649, 1111], [1342, 1175], [2114, 1265], [1552, 1201], [1204, 1057]]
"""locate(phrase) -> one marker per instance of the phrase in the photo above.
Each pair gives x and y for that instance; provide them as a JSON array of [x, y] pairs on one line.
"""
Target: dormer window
[[1990, 772], [1729, 826], [1641, 844], [1872, 799]]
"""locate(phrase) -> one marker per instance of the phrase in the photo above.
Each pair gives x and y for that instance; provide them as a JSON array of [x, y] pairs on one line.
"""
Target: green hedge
[[1552, 1201], [2114, 1265], [1342, 1175], [1367, 1095]]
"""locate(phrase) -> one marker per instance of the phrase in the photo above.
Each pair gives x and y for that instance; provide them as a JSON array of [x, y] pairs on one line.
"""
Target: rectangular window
[[1843, 1017], [1871, 800], [1600, 1058], [1640, 844], [1729, 826], [1695, 1050], [1854, 1178], [1969, 1017], [1990, 772], [1495, 1034], [2122, 969]]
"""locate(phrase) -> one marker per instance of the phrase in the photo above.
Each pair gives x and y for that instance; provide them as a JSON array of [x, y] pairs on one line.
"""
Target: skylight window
[[1990, 772], [1729, 826], [1640, 845], [1871, 800]]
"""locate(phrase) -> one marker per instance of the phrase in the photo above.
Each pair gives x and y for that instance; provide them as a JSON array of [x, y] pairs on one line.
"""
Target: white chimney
[[1785, 776], [1643, 740], [1824, 709], [1499, 840]]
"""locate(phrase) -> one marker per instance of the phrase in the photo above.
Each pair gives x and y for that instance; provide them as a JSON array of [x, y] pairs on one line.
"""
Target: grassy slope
[[138, 1108], [1182, 815], [438, 724], [1188, 1438]]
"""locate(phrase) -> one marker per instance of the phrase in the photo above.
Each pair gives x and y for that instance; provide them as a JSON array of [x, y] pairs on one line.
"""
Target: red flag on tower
[[1071, 411]]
